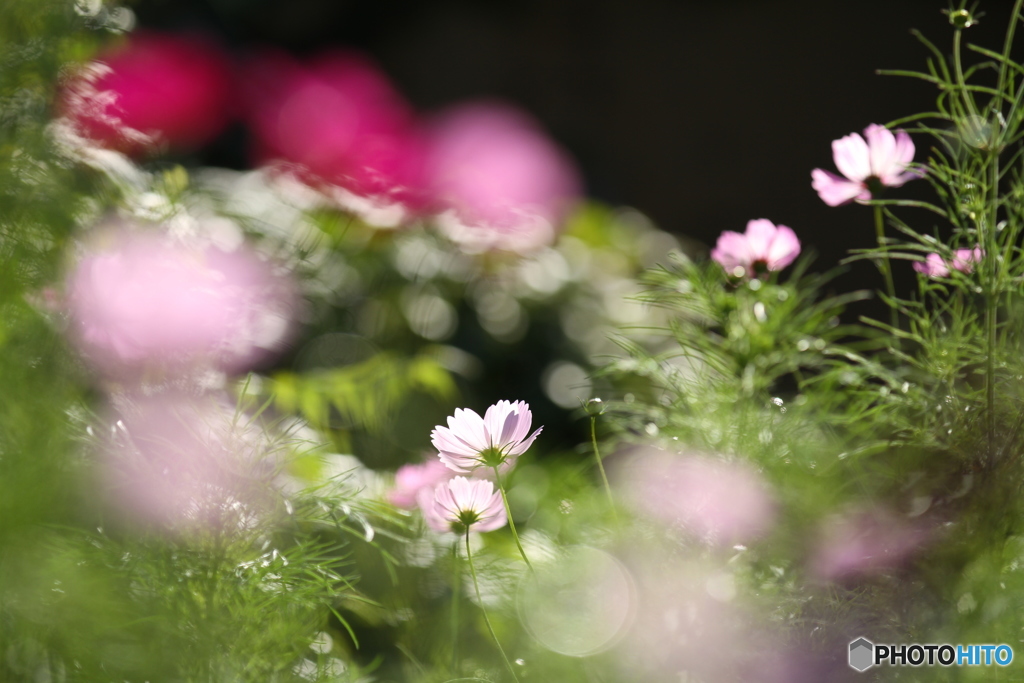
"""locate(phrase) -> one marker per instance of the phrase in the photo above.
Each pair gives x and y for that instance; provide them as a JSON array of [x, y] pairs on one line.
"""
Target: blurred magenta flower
[[932, 266], [881, 161], [462, 505], [174, 90], [864, 542], [143, 302], [184, 462], [497, 180], [337, 121], [494, 440], [936, 266], [762, 244], [413, 478], [720, 502]]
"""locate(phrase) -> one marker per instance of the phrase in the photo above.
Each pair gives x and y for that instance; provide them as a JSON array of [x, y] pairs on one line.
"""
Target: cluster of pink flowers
[[473, 445], [868, 164], [936, 266], [486, 171], [152, 315], [881, 160]]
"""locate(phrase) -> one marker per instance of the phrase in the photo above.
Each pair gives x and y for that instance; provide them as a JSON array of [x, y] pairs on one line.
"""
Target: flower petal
[[834, 190], [932, 266], [904, 148], [469, 427], [882, 152], [852, 157], [495, 420], [493, 515], [444, 439], [523, 423], [759, 234], [899, 180], [522, 446], [784, 248], [732, 250]]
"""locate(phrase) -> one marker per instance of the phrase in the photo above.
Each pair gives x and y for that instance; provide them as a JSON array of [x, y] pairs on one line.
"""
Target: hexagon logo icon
[[862, 654]]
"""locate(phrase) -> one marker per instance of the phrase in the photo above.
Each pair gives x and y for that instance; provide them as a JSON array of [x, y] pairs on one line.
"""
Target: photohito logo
[[864, 654]]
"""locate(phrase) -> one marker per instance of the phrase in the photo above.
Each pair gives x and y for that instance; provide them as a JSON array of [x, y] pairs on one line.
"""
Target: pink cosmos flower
[[185, 462], [880, 161], [691, 618], [413, 478], [463, 505], [499, 182], [764, 243], [339, 122], [144, 302], [719, 502], [496, 439], [155, 88], [963, 260], [865, 542]]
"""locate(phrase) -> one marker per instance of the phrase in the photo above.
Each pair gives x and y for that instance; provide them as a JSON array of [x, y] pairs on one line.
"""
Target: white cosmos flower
[[496, 439], [462, 505]]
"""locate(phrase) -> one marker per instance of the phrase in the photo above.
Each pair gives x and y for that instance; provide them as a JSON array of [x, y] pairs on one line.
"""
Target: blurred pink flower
[[932, 266], [693, 623], [496, 439], [144, 302], [720, 502], [411, 479], [462, 505], [762, 244], [497, 179], [337, 120], [963, 260], [186, 462], [864, 542], [173, 89], [881, 161]]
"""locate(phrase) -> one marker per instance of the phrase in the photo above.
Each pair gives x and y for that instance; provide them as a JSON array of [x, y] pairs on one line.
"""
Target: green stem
[[992, 275], [600, 464], [508, 513], [886, 267], [990, 371], [960, 81], [456, 581], [1008, 43], [487, 619], [912, 203]]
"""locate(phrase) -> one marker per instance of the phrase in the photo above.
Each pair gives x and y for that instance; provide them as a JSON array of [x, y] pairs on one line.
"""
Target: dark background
[[703, 115]]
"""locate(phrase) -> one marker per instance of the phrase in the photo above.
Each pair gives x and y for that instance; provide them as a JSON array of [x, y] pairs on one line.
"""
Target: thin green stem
[[886, 267], [487, 619], [600, 465], [990, 239], [508, 513], [913, 203], [990, 371], [1008, 43], [456, 595], [958, 66]]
